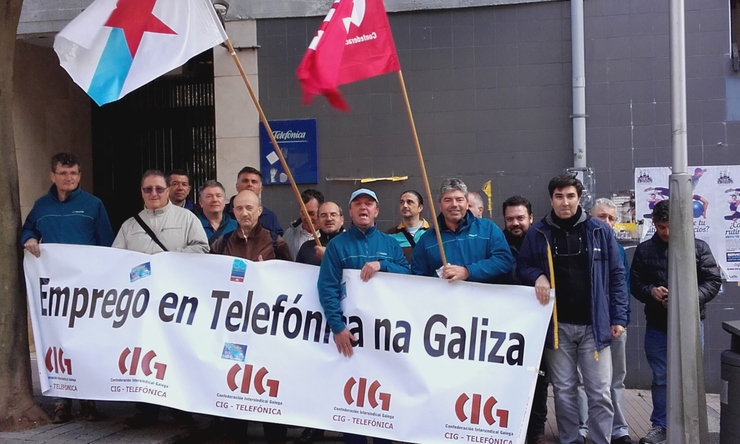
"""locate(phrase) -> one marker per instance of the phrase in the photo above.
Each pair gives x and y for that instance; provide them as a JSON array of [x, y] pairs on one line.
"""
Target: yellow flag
[[487, 188]]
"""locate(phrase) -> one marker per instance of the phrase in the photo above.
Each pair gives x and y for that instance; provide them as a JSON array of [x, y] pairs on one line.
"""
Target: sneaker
[[89, 411], [62, 413], [141, 421], [623, 440], [656, 435]]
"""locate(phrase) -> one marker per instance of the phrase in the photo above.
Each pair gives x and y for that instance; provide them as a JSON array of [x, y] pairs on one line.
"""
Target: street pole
[[687, 409]]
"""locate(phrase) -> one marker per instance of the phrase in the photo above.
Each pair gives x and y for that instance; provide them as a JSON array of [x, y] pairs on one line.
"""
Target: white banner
[[716, 207], [437, 361]]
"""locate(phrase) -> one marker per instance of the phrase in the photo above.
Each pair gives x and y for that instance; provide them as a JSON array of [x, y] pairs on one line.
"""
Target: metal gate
[[167, 124]]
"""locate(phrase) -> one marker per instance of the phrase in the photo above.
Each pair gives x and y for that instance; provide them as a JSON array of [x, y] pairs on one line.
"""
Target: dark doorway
[[167, 124]]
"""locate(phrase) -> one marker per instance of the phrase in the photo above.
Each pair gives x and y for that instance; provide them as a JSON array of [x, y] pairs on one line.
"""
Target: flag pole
[[435, 223], [275, 146]]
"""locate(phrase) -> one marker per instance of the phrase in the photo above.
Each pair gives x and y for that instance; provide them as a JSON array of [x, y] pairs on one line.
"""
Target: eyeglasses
[[148, 190], [329, 215], [567, 246]]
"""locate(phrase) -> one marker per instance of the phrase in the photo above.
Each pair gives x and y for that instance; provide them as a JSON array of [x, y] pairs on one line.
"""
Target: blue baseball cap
[[362, 191]]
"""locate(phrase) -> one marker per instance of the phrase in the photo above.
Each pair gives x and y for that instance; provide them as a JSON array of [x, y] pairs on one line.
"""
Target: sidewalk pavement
[[638, 405]]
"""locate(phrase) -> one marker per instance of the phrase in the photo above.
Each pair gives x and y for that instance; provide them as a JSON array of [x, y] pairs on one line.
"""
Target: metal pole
[[579, 84], [687, 410]]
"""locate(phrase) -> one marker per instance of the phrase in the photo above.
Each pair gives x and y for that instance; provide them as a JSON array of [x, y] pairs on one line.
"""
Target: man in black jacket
[[649, 284]]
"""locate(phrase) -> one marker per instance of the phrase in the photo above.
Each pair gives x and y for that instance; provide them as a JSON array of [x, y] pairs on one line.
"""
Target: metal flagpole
[[686, 407]]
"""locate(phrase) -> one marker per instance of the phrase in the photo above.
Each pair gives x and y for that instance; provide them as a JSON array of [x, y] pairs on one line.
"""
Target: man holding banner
[[481, 253], [590, 309], [67, 215], [363, 248], [160, 226]]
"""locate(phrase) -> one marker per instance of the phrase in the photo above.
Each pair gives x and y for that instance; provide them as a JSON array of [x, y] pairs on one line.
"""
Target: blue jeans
[[577, 349], [656, 351]]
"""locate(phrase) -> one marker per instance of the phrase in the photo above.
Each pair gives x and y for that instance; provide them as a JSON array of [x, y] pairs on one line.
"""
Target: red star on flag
[[135, 18]]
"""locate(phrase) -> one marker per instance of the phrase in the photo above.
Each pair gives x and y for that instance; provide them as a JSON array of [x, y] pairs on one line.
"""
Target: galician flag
[[353, 43], [116, 46]]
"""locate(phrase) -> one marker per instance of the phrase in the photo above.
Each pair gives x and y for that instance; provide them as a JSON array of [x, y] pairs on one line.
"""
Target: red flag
[[353, 43]]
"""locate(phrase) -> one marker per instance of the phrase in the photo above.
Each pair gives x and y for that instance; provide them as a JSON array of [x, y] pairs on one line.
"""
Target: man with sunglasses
[[160, 226], [590, 305], [172, 228], [67, 215]]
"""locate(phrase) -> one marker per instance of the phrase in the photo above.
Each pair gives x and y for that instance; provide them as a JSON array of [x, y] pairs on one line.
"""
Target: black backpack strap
[[216, 234], [149, 232], [409, 237]]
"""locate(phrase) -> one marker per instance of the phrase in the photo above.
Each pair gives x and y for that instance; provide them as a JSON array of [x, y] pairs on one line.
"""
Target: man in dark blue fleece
[[363, 248], [67, 215]]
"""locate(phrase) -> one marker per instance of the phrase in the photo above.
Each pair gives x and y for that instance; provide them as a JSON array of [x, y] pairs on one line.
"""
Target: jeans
[[577, 349], [656, 351], [620, 427]]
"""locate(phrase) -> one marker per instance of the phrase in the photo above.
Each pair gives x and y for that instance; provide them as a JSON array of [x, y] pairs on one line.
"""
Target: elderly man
[[475, 204], [606, 210], [252, 242], [649, 285], [67, 215], [251, 179], [363, 248], [591, 305], [475, 248], [412, 225], [160, 226], [179, 184], [331, 224], [216, 222], [302, 230]]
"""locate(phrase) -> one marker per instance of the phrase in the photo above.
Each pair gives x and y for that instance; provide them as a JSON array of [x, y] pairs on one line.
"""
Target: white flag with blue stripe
[[116, 46]]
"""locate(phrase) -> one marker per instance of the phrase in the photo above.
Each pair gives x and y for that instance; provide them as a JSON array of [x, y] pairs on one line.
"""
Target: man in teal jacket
[[476, 249], [363, 248]]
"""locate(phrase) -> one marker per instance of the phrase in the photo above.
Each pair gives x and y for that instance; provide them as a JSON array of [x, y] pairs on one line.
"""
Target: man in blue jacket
[[363, 248], [67, 215], [476, 249], [590, 307]]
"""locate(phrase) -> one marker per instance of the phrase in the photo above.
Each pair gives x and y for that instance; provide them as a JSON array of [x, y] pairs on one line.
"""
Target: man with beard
[[412, 225], [517, 220]]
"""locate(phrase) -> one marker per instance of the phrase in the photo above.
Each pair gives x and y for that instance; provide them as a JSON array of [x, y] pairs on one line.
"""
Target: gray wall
[[490, 88]]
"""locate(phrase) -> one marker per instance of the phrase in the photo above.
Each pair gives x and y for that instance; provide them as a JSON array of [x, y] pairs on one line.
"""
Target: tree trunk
[[17, 408]]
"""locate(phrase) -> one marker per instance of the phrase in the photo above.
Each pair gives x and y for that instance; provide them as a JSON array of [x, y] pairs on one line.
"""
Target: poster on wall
[[298, 141], [715, 203]]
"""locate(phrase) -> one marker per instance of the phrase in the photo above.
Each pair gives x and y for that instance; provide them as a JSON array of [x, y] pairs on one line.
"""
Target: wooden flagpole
[[275, 146], [423, 168]]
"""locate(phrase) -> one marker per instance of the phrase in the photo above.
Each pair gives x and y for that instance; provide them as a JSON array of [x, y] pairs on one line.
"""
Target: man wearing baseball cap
[[363, 247]]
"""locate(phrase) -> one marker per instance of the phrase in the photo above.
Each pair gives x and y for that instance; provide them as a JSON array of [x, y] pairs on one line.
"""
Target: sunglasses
[[148, 190]]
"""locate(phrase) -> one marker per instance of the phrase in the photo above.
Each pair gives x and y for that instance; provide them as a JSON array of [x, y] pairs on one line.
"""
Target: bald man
[[250, 240]]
